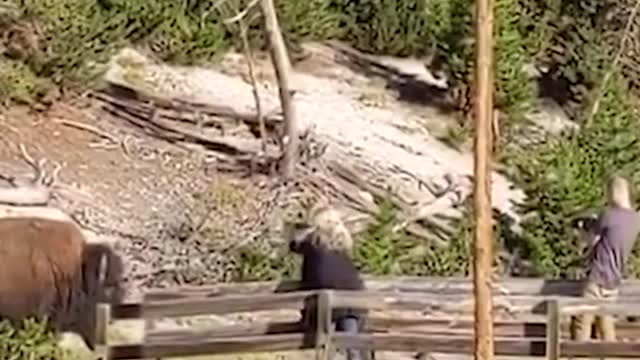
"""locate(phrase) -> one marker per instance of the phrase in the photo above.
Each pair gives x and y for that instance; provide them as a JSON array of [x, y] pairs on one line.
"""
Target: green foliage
[[450, 27], [309, 20], [379, 250], [515, 92], [175, 32], [299, 20], [259, 261], [29, 339], [579, 42], [68, 42], [396, 27], [563, 178], [19, 84], [410, 27], [539, 22]]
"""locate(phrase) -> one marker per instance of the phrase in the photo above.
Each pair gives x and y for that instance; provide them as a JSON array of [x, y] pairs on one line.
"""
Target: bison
[[325, 245], [47, 268]]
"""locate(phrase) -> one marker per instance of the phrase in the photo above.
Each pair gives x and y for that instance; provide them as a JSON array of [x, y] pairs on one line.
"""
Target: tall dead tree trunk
[[483, 239], [282, 67]]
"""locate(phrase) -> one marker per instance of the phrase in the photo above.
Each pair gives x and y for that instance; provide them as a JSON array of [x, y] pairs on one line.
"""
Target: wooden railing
[[525, 325], [559, 310]]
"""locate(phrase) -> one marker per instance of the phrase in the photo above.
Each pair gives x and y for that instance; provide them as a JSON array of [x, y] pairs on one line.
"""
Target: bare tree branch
[[239, 18], [614, 64], [282, 67], [242, 14]]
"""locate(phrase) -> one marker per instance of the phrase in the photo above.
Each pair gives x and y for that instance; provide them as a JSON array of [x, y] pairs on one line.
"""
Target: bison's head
[[102, 272]]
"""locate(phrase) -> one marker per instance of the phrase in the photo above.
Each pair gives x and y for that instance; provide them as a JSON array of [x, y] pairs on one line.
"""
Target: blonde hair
[[330, 231], [618, 192]]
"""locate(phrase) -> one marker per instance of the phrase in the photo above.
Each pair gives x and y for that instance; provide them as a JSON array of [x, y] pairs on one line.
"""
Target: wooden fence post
[[324, 330], [483, 347], [103, 318], [553, 330]]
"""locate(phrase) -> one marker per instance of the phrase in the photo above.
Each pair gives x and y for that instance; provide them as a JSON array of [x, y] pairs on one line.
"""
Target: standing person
[[611, 239]]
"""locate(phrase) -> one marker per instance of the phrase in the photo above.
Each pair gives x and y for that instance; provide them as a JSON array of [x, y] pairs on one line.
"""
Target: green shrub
[[379, 250], [259, 261], [410, 27], [177, 33], [514, 91], [67, 42], [299, 20], [309, 20], [450, 28], [390, 27], [564, 177], [28, 339], [19, 84]]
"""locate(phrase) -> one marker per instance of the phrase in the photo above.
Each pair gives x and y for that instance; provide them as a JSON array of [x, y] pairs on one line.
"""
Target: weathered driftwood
[[138, 99], [181, 122], [13, 211], [36, 191], [150, 119]]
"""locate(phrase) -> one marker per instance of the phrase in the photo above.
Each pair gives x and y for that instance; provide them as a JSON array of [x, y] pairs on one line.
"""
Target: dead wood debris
[[207, 127], [36, 191]]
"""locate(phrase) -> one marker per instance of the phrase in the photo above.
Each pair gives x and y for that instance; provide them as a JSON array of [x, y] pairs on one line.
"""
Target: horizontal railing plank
[[622, 307], [182, 347], [516, 305], [458, 303], [594, 349], [438, 285], [225, 305], [624, 330], [226, 331], [438, 344], [503, 346], [389, 342]]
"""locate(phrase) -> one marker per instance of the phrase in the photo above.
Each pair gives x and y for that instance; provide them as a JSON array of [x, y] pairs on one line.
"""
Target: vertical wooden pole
[[103, 319], [483, 235], [324, 331], [282, 67], [553, 330]]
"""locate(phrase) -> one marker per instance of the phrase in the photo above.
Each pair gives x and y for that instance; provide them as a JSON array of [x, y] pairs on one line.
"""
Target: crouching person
[[325, 246], [610, 239]]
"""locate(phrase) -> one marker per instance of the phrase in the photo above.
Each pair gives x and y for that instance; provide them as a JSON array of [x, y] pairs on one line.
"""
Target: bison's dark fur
[[48, 269]]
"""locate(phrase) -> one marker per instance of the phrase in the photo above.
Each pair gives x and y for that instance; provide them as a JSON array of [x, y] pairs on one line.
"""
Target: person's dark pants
[[350, 324]]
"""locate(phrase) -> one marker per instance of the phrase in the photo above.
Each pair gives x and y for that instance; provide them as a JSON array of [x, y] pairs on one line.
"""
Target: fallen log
[[137, 99]]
